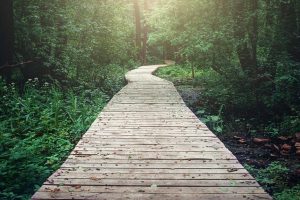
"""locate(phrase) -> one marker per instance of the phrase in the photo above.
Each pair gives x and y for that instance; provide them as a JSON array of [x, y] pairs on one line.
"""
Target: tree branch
[[15, 65]]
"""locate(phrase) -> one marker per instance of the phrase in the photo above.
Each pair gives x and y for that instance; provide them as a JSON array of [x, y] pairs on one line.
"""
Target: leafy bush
[[273, 177], [39, 126], [177, 74], [214, 122], [240, 110], [289, 194]]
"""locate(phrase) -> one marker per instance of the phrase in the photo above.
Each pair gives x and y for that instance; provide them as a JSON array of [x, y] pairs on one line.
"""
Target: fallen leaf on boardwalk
[[199, 126], [55, 190], [141, 190], [50, 181], [94, 178], [232, 170], [77, 186], [153, 186]]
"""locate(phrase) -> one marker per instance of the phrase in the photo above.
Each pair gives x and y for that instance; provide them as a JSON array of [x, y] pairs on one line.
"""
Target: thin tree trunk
[[62, 37], [6, 38], [145, 33], [138, 33], [247, 56], [289, 27], [193, 71]]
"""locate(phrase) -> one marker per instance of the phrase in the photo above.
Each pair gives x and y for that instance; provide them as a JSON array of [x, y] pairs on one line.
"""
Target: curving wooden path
[[146, 144]]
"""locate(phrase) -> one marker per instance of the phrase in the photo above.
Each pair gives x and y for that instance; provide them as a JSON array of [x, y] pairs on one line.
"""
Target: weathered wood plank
[[141, 195], [156, 190], [154, 176], [154, 166], [94, 181], [140, 161]]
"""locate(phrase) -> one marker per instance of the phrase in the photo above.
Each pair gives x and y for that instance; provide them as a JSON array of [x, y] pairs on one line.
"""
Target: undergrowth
[[39, 126], [228, 104]]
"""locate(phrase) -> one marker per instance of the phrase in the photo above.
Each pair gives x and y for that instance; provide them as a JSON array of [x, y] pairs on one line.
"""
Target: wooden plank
[[148, 149], [154, 176], [94, 181], [140, 161], [156, 190], [141, 195], [154, 166], [151, 171], [158, 155]]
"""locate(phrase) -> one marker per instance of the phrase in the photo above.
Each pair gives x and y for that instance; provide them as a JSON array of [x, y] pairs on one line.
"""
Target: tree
[[246, 49], [145, 34], [6, 38], [138, 28], [290, 27]]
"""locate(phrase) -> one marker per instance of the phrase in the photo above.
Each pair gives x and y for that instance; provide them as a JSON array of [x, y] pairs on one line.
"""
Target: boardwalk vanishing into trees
[[147, 144]]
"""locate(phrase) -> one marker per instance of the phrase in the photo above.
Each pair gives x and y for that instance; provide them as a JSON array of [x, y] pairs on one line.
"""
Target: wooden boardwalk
[[146, 144]]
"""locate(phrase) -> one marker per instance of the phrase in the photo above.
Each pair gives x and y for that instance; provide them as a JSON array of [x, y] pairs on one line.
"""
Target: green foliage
[[214, 122], [273, 177], [289, 194], [38, 129], [177, 74], [75, 40], [246, 58]]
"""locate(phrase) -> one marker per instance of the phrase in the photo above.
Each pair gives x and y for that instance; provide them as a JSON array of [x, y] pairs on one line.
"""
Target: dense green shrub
[[273, 177], [289, 194], [38, 129], [226, 106]]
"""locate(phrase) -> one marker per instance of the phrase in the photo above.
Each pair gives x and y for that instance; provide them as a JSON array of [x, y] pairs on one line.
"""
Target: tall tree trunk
[[62, 36], [6, 38], [247, 56], [289, 27], [145, 34], [254, 33], [138, 27], [247, 27]]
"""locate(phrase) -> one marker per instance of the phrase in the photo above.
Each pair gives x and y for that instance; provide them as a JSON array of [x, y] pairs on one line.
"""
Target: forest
[[237, 67]]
